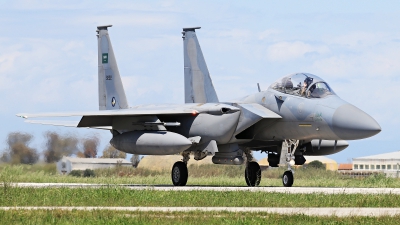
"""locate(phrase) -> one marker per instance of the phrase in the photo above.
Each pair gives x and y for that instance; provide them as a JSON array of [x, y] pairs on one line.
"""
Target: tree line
[[56, 146]]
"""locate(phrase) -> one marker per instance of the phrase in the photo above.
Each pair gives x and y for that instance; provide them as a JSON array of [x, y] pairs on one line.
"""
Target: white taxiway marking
[[289, 190], [340, 212]]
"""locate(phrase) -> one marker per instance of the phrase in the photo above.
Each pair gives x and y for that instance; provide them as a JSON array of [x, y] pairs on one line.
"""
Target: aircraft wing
[[103, 119], [63, 123], [54, 122], [120, 112]]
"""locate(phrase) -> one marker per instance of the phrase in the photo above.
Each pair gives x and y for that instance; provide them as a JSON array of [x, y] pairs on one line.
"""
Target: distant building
[[345, 166], [67, 164], [389, 163]]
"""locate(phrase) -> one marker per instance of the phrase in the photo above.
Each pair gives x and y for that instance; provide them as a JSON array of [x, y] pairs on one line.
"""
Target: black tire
[[287, 179], [252, 174], [179, 174]]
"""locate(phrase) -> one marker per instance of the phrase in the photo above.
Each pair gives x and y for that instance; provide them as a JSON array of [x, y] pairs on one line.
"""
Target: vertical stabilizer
[[111, 90], [198, 84]]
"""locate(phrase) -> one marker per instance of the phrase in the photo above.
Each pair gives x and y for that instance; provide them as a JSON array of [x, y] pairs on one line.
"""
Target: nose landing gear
[[288, 178]]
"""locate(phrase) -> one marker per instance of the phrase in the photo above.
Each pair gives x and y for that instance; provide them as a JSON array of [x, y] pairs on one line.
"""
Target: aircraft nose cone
[[351, 123]]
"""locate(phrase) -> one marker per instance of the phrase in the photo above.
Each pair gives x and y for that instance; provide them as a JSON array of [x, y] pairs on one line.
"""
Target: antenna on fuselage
[[258, 85]]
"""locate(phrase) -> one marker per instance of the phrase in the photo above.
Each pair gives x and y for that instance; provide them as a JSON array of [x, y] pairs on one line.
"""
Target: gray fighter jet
[[297, 115]]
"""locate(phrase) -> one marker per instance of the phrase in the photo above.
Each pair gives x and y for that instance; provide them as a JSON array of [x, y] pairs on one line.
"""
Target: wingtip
[[21, 115]]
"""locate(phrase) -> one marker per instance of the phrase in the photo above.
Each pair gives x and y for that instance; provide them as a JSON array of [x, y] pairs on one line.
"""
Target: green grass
[[216, 175], [119, 196], [204, 175], [113, 217]]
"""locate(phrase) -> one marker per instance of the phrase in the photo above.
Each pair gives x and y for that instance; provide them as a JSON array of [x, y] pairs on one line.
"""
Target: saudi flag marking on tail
[[105, 58]]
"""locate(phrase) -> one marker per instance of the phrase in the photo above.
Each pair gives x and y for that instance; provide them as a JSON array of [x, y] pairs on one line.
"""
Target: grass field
[[216, 175], [119, 196], [112, 217], [198, 175]]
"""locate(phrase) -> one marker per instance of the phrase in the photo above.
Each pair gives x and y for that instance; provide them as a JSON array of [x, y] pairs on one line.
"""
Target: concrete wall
[[92, 166], [66, 166]]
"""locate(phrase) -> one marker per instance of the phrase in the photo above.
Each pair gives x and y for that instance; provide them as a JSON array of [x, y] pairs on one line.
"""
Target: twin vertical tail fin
[[198, 84], [111, 90]]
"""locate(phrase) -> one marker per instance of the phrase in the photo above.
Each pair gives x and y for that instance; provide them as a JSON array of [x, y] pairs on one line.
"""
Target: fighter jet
[[298, 115]]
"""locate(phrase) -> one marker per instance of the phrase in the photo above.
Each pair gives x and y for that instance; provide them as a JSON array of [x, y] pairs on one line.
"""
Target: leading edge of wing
[[54, 122], [64, 123], [120, 112]]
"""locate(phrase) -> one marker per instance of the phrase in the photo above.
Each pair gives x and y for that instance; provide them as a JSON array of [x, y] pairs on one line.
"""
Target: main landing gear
[[179, 173], [252, 174]]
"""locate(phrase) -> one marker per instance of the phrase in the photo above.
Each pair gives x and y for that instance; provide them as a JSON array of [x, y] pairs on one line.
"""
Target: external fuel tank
[[150, 142]]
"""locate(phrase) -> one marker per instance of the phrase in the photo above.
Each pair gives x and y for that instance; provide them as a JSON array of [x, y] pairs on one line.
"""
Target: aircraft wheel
[[179, 174], [252, 174], [287, 178]]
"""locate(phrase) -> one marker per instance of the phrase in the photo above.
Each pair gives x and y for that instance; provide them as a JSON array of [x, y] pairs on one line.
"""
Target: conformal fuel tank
[[150, 142]]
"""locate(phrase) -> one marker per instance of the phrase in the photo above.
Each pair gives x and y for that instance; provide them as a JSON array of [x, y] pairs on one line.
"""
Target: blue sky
[[48, 55]]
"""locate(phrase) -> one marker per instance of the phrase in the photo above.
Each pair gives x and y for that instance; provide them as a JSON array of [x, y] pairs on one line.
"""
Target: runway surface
[[289, 190], [340, 212]]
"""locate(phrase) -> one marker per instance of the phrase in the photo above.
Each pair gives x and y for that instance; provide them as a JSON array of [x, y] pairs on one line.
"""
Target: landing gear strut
[[252, 173], [179, 173], [288, 178]]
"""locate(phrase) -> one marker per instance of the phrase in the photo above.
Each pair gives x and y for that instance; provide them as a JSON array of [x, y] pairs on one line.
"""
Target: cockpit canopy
[[304, 85]]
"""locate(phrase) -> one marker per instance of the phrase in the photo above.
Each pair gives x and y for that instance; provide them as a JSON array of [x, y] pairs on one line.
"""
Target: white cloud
[[226, 78], [372, 62], [284, 51], [72, 46], [7, 61], [133, 19], [235, 34], [357, 39], [153, 44], [44, 73], [266, 35]]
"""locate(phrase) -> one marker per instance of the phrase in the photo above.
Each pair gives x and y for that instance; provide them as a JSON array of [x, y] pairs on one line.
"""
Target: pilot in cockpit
[[307, 82]]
